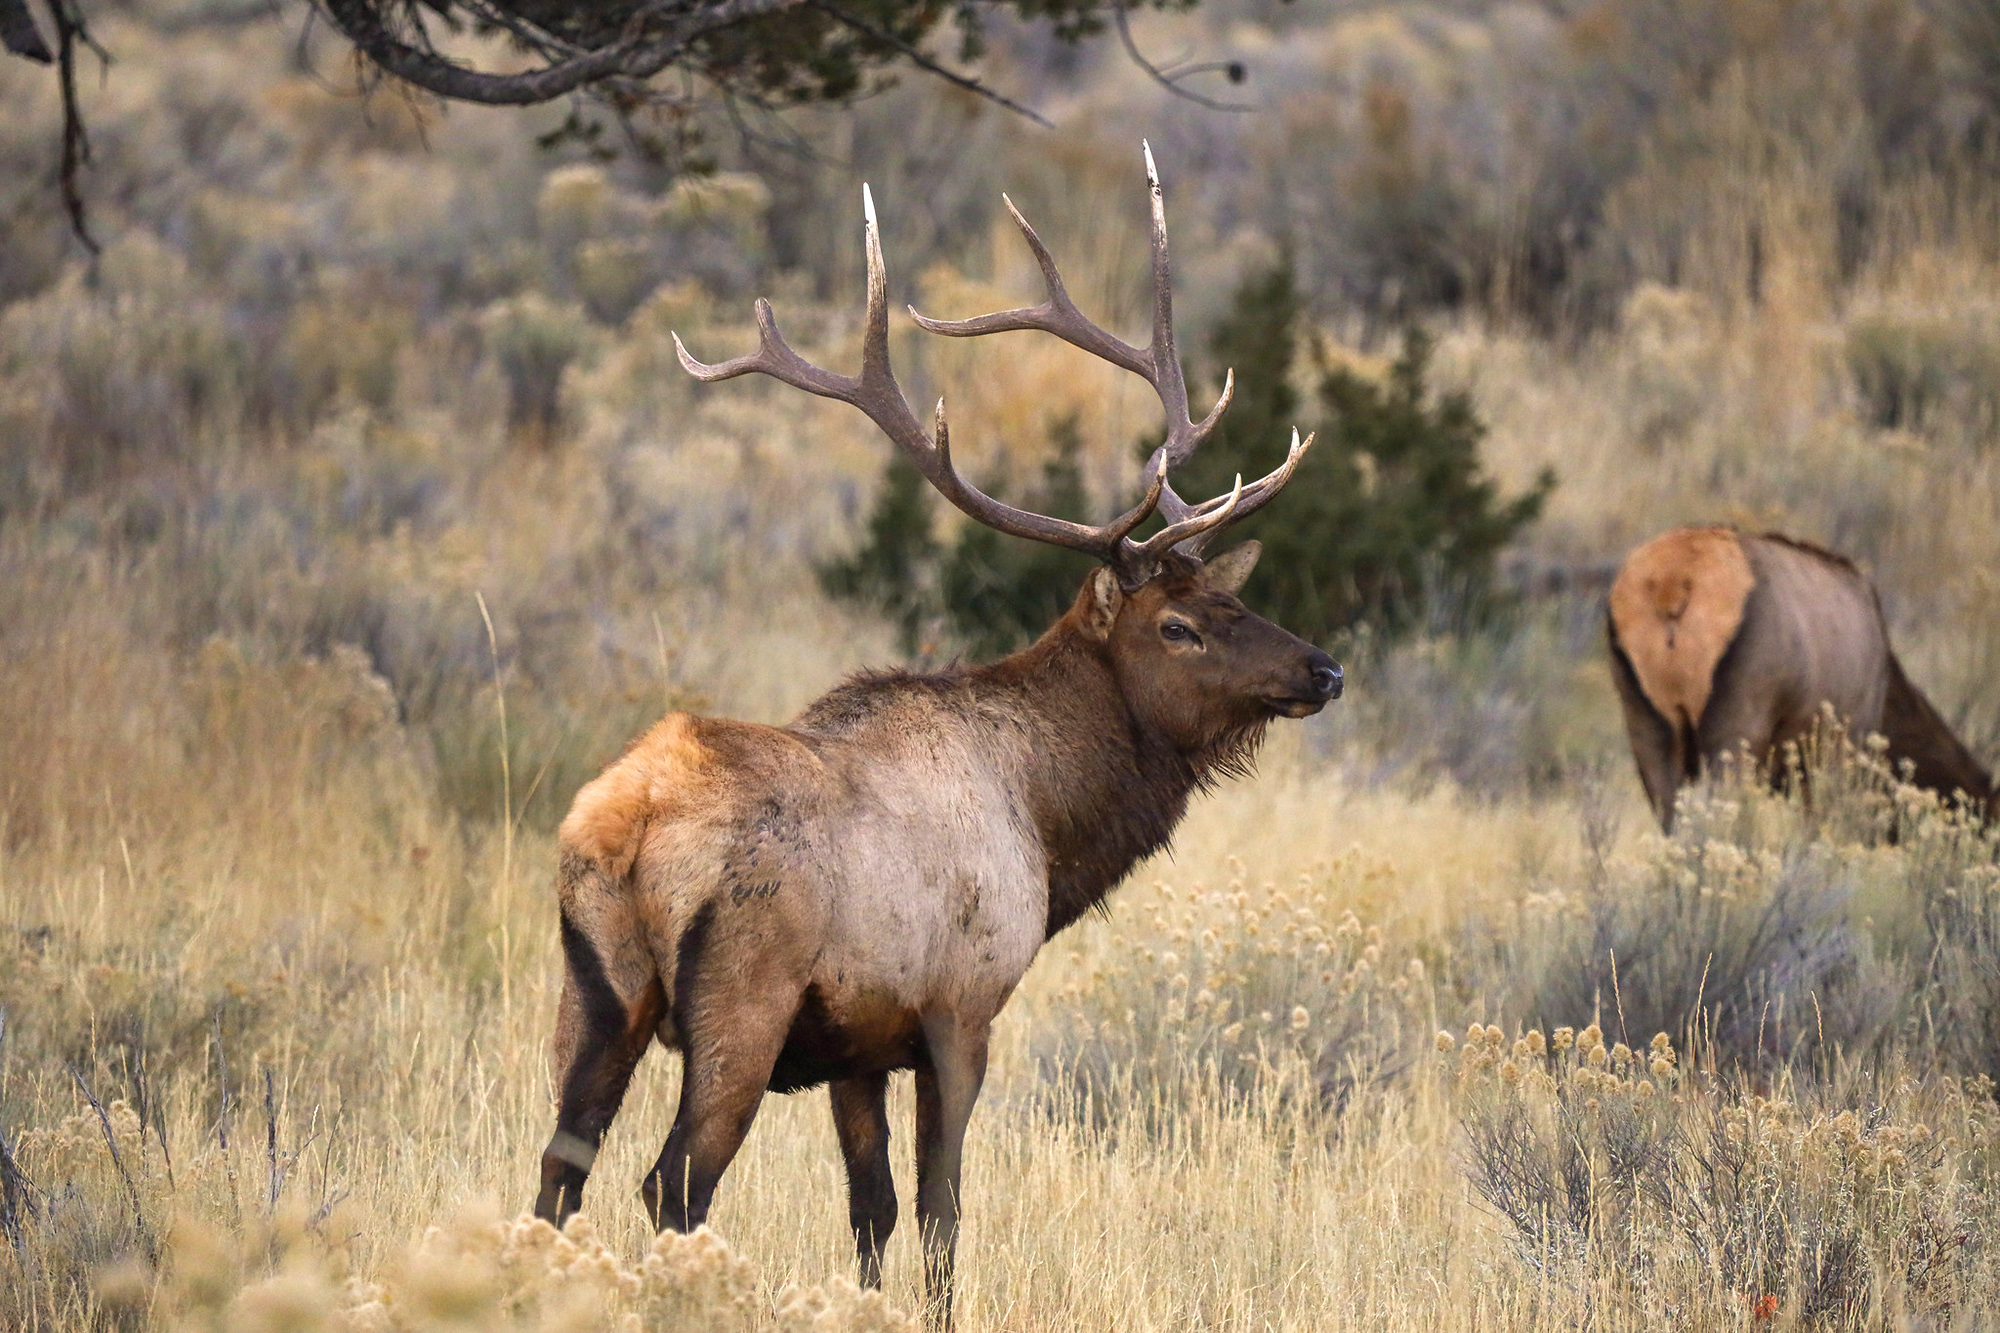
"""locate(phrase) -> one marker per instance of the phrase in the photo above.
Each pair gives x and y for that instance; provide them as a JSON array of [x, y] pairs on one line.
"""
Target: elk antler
[[1189, 526], [877, 394]]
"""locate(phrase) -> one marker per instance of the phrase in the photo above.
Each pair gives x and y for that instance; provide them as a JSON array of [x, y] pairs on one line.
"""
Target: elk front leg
[[861, 1118], [946, 1092]]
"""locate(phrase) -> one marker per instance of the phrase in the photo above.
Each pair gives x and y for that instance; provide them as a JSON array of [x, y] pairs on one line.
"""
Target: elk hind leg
[[732, 1016], [603, 1024], [1659, 747], [861, 1119], [946, 1093]]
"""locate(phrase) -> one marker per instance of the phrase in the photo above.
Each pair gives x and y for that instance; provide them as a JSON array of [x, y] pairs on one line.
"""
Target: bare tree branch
[[1172, 81], [613, 64], [70, 31], [634, 56], [924, 62]]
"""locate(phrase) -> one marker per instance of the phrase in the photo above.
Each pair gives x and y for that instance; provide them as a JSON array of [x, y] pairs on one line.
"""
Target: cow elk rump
[[1722, 641], [859, 892]]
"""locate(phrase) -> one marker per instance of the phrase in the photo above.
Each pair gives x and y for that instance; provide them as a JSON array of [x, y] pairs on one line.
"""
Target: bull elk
[[859, 892], [1722, 641]]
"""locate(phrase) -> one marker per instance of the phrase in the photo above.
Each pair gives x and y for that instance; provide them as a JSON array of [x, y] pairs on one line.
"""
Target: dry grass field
[[353, 511]]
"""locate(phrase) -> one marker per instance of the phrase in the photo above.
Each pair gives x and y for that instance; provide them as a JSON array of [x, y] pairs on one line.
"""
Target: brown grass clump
[[1242, 990], [1641, 1190]]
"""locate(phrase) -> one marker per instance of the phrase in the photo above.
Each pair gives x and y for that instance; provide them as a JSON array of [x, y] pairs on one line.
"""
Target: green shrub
[[1927, 371], [999, 592], [534, 340], [1513, 706], [1390, 513], [991, 592], [893, 570]]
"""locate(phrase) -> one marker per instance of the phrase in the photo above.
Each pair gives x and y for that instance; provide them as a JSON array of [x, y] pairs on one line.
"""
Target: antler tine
[[773, 357], [1168, 381], [1195, 525], [1121, 527], [874, 390], [1159, 364], [875, 334], [1057, 314], [1188, 532], [1171, 503]]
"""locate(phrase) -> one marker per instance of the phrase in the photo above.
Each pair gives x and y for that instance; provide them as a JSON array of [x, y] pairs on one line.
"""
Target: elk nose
[[1326, 676]]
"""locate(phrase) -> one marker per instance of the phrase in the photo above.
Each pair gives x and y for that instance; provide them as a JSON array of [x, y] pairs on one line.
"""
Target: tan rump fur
[[608, 818], [1676, 606]]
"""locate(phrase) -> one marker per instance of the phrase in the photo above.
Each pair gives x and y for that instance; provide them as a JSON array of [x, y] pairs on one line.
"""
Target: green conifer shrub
[[893, 571], [1390, 515], [1001, 592], [990, 592]]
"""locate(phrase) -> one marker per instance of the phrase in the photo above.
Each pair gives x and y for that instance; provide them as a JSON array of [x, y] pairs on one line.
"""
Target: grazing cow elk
[[860, 892], [1721, 640]]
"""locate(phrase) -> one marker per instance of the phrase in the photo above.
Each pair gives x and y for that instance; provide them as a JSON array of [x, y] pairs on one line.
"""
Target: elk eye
[[1175, 631]]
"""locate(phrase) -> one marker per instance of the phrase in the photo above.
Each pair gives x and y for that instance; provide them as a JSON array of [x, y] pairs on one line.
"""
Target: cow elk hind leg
[[1660, 749]]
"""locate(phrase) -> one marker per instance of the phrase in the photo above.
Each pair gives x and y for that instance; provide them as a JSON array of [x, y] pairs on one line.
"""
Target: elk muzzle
[[1321, 681], [1329, 678]]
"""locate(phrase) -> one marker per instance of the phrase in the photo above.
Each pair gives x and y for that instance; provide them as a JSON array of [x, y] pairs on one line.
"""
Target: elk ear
[[1102, 597], [1231, 570]]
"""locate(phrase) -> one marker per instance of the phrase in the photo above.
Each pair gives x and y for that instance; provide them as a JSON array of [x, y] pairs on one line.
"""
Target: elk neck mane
[[1102, 789]]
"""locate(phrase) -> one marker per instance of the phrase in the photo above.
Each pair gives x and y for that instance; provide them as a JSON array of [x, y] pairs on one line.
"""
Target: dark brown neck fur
[[1104, 791]]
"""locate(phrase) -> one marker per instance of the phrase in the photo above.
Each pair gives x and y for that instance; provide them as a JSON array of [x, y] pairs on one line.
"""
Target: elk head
[[1192, 660]]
